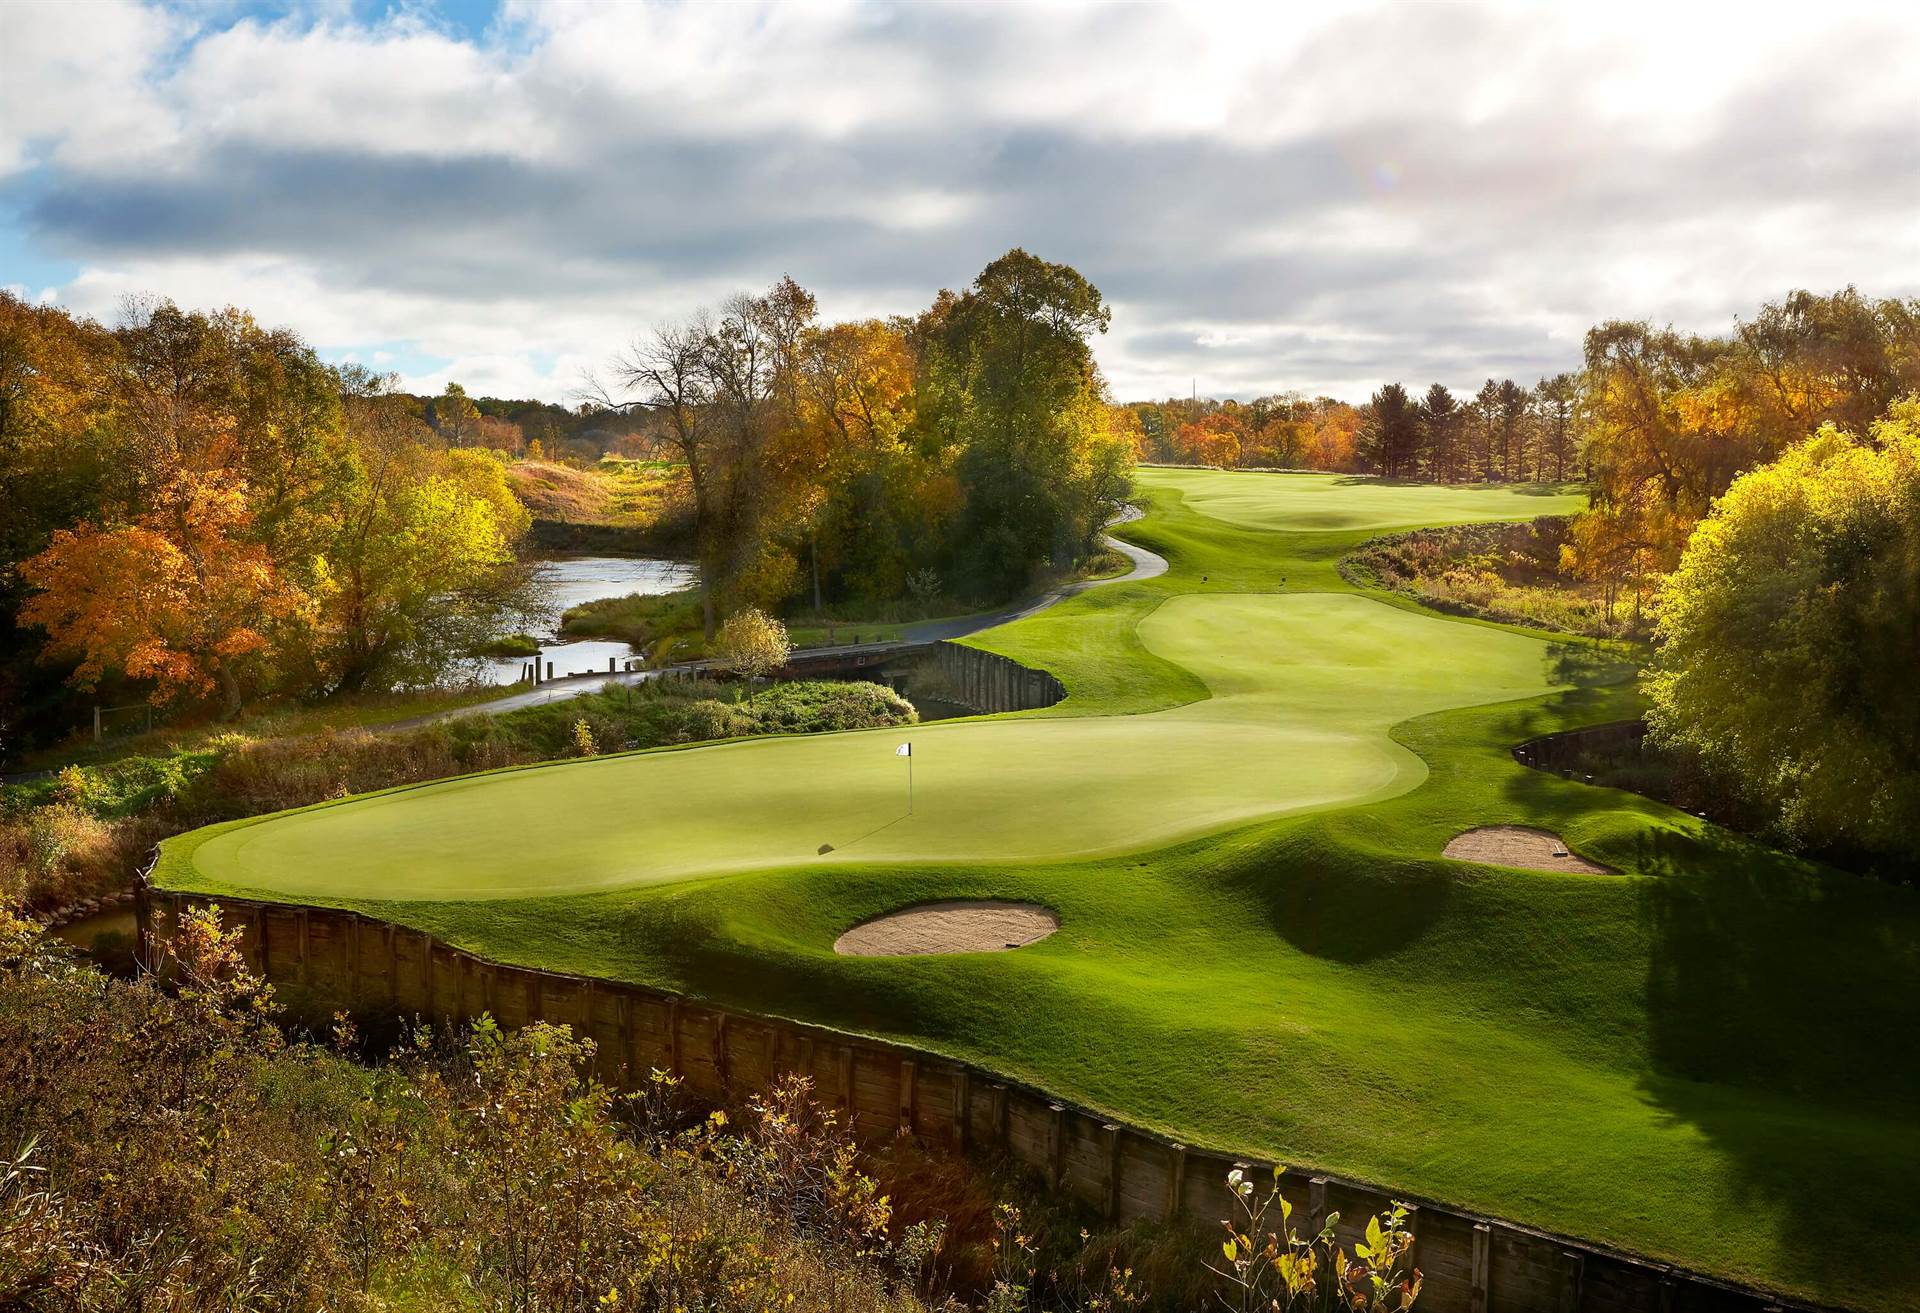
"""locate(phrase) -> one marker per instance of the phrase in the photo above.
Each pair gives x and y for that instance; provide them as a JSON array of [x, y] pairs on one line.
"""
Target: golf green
[[1238, 815], [1304, 688]]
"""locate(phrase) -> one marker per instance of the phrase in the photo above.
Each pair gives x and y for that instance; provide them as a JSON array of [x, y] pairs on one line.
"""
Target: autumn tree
[[63, 453], [1671, 419], [752, 645], [183, 597], [1788, 632], [419, 567], [887, 499], [1212, 439]]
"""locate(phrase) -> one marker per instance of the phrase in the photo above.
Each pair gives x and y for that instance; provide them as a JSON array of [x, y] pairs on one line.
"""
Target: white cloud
[[1271, 196]]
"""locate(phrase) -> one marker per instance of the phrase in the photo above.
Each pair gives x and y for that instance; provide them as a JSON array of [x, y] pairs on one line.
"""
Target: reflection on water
[[567, 582]]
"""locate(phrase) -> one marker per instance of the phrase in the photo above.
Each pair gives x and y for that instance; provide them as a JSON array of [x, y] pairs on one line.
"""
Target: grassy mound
[[1261, 947]]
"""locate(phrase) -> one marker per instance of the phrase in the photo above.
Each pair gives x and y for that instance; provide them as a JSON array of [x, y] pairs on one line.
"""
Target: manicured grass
[[1320, 503], [1705, 1059], [1305, 689]]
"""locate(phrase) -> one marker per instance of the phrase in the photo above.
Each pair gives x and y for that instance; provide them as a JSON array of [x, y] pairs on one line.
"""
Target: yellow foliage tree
[[1787, 637]]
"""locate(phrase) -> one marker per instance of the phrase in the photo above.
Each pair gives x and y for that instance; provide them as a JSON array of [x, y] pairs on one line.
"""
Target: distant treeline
[[1504, 432]]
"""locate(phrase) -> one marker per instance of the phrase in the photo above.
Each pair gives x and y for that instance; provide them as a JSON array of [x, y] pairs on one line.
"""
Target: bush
[[1505, 572]]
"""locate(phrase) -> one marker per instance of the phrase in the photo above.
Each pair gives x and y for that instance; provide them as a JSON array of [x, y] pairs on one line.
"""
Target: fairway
[[1321, 503], [1238, 816], [1304, 689]]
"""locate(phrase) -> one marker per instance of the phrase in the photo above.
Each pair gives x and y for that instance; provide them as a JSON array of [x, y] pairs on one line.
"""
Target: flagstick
[[909, 784]]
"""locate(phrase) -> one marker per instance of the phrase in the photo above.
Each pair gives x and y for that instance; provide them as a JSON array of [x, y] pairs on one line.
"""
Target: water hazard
[[570, 580]]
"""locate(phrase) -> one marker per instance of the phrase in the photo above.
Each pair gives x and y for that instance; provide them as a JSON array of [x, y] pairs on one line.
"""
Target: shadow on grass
[[1783, 1001], [1336, 901], [1583, 665]]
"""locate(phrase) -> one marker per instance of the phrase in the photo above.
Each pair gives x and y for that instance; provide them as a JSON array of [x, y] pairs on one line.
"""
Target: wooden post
[[355, 926], [673, 1037], [1176, 1180], [1000, 1115], [393, 966], [1112, 1206], [306, 961], [1572, 1272], [906, 1095], [426, 977], [963, 1108], [846, 1081], [1316, 1200], [1056, 1143], [629, 1050], [1481, 1291], [258, 916], [1413, 1234]]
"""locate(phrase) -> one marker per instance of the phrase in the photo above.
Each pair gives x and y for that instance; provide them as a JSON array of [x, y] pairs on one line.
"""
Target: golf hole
[[1522, 846], [959, 926]]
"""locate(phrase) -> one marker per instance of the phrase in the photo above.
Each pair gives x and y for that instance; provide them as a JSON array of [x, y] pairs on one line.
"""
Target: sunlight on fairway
[[1305, 688], [1330, 502]]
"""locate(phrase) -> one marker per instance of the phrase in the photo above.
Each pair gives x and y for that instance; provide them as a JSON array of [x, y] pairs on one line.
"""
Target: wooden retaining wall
[[322, 960], [987, 681]]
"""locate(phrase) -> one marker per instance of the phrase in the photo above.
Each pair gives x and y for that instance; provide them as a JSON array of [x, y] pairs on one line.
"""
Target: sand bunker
[[971, 926], [1517, 845]]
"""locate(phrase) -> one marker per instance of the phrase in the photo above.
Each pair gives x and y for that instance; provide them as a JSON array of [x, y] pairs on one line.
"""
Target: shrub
[[1505, 572]]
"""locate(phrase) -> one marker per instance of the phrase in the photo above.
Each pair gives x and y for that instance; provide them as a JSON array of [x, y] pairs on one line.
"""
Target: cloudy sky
[[1270, 197]]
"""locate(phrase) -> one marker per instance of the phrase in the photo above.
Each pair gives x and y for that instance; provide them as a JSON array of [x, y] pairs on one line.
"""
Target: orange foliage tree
[[1213, 439], [181, 597]]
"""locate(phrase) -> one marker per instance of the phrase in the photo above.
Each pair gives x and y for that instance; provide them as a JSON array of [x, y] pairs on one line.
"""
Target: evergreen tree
[[1440, 419]]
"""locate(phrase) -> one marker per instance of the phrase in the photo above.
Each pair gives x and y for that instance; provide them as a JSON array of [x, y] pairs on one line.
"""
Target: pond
[[567, 581]]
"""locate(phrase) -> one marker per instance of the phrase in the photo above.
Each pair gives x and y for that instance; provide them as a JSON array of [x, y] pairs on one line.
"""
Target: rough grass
[[1699, 1059], [621, 494], [1506, 572]]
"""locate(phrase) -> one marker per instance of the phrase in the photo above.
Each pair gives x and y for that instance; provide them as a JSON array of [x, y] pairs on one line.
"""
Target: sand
[[975, 926], [1517, 845]]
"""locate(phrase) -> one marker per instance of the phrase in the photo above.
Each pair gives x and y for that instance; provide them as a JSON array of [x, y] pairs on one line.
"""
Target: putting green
[[1322, 503], [1305, 688]]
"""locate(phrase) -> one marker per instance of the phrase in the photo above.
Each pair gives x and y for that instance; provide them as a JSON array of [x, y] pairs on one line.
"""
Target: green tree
[[1016, 387], [1440, 418], [1390, 439], [1554, 400], [1788, 635], [455, 416], [418, 568]]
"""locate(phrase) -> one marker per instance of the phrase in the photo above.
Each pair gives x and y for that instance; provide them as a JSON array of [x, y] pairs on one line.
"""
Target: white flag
[[904, 750]]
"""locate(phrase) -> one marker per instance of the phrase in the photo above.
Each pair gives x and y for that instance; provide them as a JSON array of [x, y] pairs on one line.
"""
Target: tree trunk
[[230, 701]]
